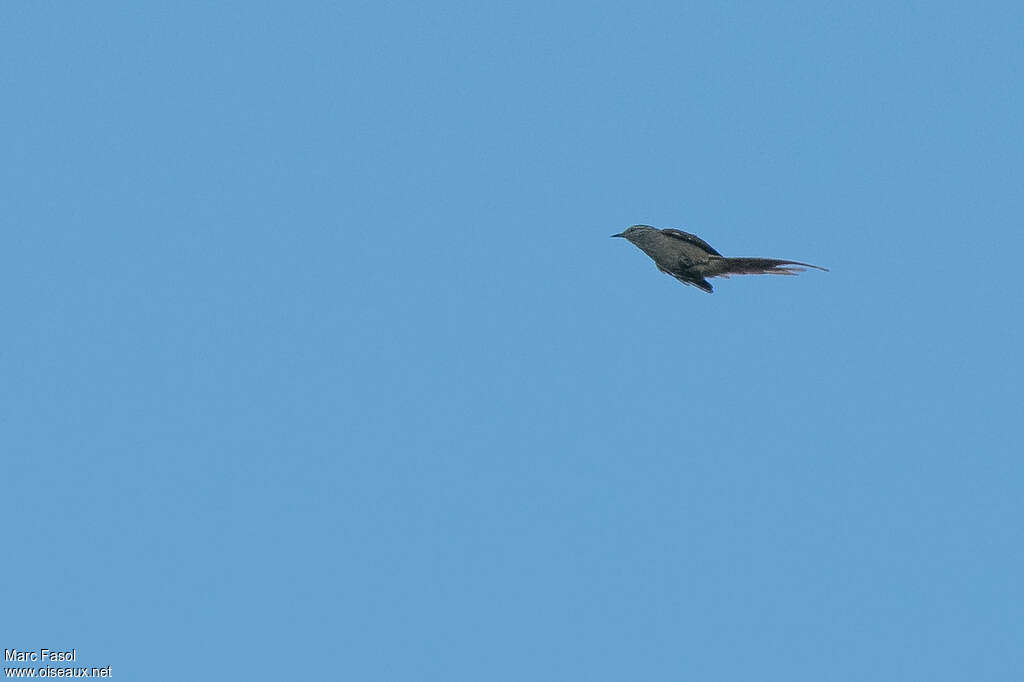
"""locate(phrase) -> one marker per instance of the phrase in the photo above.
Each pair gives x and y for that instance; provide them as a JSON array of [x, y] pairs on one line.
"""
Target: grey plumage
[[690, 259]]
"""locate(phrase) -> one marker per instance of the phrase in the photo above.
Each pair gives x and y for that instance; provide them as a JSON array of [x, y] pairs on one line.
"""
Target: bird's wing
[[692, 239]]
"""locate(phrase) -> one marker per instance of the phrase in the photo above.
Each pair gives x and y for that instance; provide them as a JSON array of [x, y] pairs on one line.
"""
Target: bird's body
[[691, 260]]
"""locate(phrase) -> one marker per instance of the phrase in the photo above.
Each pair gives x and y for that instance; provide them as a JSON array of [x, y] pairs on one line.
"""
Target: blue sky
[[318, 359]]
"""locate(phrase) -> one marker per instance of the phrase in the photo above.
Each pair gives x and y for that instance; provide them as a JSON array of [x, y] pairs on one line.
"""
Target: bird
[[691, 260]]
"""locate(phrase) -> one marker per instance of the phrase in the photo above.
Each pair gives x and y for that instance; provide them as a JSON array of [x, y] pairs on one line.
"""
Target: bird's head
[[635, 232]]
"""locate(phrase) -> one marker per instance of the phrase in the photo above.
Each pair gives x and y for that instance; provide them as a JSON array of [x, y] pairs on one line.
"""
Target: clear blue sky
[[318, 359]]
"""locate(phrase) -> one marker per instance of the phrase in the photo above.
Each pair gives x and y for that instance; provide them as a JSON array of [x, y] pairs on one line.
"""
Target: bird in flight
[[690, 259]]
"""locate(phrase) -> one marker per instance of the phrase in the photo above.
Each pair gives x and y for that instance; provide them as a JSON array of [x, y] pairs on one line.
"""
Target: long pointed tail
[[723, 267]]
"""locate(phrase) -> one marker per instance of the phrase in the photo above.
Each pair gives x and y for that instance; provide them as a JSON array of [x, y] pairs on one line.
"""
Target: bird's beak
[[618, 235]]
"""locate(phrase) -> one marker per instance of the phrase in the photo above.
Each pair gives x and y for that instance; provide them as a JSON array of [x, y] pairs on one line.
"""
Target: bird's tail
[[723, 267]]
